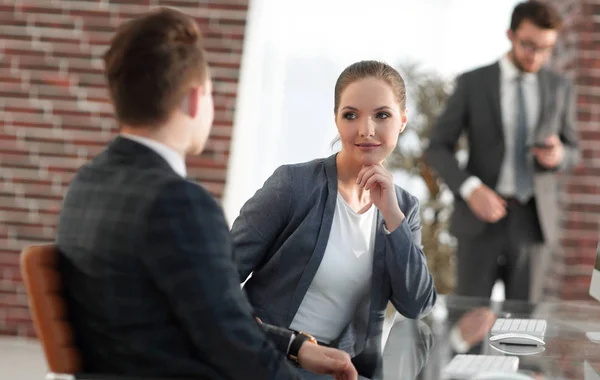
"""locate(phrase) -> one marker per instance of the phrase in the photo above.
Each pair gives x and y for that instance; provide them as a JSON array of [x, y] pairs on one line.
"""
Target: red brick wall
[[55, 114], [578, 54]]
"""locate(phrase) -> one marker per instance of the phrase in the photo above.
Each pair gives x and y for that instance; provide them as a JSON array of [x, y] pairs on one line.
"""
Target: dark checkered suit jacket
[[151, 286]]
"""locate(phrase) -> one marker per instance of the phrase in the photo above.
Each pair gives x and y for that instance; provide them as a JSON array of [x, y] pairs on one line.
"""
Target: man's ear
[[192, 99], [510, 35]]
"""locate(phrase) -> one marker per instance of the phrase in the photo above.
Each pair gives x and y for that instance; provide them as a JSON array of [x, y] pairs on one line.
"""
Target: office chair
[[39, 268]]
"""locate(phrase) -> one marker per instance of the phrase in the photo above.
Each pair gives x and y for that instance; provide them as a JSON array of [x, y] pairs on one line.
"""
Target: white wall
[[294, 51]]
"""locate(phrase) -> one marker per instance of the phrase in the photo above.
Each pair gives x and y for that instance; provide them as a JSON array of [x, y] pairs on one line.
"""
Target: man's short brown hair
[[152, 61], [542, 15]]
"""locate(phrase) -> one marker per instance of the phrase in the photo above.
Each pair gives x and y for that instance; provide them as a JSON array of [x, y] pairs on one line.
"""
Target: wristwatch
[[297, 342]]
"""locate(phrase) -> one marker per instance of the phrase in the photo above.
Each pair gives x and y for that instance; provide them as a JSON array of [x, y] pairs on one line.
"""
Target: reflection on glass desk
[[421, 349], [407, 349]]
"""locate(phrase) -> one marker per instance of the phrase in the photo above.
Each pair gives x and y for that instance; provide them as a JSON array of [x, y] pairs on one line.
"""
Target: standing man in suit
[[519, 119], [146, 255]]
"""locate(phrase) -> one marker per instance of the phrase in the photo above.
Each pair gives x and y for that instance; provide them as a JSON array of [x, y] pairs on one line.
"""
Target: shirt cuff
[[385, 230], [457, 342], [287, 352], [467, 187]]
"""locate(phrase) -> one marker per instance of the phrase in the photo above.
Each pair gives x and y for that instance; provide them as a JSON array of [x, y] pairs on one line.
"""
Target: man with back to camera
[[519, 119], [146, 255]]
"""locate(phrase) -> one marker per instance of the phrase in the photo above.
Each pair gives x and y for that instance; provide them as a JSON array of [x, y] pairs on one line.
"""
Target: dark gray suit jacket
[[281, 236], [151, 285], [474, 109]]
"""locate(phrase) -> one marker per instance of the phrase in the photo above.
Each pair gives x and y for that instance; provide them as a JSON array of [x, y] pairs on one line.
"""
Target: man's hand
[[326, 361], [487, 205], [552, 156], [475, 325]]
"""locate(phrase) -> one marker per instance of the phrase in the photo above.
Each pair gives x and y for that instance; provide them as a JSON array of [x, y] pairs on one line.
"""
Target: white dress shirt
[[343, 279], [174, 159], [508, 102]]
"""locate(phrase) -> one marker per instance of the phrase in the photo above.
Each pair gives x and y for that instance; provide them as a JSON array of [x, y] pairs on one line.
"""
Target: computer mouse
[[517, 349], [501, 376], [517, 338]]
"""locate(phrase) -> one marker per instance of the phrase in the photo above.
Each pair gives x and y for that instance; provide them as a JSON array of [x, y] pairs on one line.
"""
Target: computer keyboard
[[535, 327], [466, 366]]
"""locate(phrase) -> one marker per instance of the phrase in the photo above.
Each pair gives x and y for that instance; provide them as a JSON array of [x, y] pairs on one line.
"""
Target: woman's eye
[[383, 115], [349, 116]]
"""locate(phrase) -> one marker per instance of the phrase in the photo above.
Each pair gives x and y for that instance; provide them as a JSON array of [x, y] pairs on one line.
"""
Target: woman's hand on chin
[[380, 184]]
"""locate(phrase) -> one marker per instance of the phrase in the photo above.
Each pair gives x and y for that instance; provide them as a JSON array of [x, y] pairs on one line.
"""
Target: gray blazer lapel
[[322, 239], [378, 269], [493, 87], [546, 97]]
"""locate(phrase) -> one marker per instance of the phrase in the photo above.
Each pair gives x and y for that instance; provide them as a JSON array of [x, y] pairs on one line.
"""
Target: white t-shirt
[[343, 279]]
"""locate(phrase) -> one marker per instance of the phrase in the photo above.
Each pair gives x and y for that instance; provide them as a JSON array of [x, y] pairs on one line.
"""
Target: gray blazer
[[474, 109], [281, 234]]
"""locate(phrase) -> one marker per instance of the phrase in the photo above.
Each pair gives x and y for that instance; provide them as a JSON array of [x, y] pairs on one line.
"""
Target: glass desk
[[421, 349]]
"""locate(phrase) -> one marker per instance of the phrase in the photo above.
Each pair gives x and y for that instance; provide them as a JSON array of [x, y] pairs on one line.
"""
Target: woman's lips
[[367, 146]]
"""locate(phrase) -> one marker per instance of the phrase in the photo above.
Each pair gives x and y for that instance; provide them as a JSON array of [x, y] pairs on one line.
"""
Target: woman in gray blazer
[[329, 242]]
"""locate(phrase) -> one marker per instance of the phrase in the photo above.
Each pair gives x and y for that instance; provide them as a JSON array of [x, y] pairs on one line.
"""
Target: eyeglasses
[[532, 48]]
